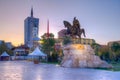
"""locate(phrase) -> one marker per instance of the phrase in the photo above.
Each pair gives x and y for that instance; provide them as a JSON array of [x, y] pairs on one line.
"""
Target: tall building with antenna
[[31, 29]]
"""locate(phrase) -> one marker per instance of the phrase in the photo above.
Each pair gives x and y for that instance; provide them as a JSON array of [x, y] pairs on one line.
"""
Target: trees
[[115, 46], [48, 46], [111, 53], [115, 51], [103, 52], [3, 48], [96, 48], [66, 40], [45, 35]]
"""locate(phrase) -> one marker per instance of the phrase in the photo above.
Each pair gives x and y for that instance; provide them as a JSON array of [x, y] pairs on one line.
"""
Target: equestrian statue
[[74, 30]]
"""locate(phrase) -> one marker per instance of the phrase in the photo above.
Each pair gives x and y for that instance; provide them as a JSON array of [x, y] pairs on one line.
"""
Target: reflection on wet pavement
[[24, 70]]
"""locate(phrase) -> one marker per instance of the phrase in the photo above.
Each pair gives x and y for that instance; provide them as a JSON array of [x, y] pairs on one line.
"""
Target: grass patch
[[116, 67], [108, 69], [51, 62]]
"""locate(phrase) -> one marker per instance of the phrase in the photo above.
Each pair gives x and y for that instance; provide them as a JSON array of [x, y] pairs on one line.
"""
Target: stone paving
[[25, 70]]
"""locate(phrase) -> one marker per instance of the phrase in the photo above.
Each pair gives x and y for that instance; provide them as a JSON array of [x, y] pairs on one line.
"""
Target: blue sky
[[99, 18]]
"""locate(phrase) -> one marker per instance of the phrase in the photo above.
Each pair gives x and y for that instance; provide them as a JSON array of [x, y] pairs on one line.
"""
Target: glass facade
[[31, 29]]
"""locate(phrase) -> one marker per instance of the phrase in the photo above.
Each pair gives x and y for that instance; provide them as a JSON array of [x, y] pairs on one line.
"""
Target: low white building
[[20, 52]]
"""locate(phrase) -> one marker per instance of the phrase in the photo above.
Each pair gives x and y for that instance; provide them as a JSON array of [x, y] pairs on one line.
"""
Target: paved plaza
[[25, 70]]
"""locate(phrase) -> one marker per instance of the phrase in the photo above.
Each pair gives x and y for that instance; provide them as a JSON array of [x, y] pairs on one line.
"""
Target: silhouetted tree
[[115, 48], [66, 40], [48, 45], [3, 48], [96, 47], [104, 53]]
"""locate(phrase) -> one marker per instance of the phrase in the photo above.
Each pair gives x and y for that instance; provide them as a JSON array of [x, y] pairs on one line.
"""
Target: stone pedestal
[[78, 55]]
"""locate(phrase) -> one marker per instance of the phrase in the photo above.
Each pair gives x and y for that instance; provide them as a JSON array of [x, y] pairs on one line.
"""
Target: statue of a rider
[[74, 30], [76, 24]]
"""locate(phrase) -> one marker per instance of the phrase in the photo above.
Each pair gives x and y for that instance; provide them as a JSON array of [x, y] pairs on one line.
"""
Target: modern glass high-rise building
[[31, 29]]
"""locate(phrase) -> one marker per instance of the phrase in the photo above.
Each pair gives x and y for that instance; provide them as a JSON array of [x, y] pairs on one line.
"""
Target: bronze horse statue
[[74, 30]]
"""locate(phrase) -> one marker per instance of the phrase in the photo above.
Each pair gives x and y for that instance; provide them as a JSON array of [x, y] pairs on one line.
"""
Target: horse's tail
[[83, 31]]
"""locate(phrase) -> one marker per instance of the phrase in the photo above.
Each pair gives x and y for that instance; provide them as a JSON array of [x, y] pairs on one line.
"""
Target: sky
[[99, 18]]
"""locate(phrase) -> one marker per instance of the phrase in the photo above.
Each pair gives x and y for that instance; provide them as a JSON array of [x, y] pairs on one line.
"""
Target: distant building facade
[[1, 41], [20, 52], [77, 41], [86, 41], [31, 29], [111, 42], [9, 45], [61, 35]]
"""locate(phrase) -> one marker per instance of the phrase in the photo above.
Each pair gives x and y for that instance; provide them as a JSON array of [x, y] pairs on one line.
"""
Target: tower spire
[[32, 12], [48, 28]]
